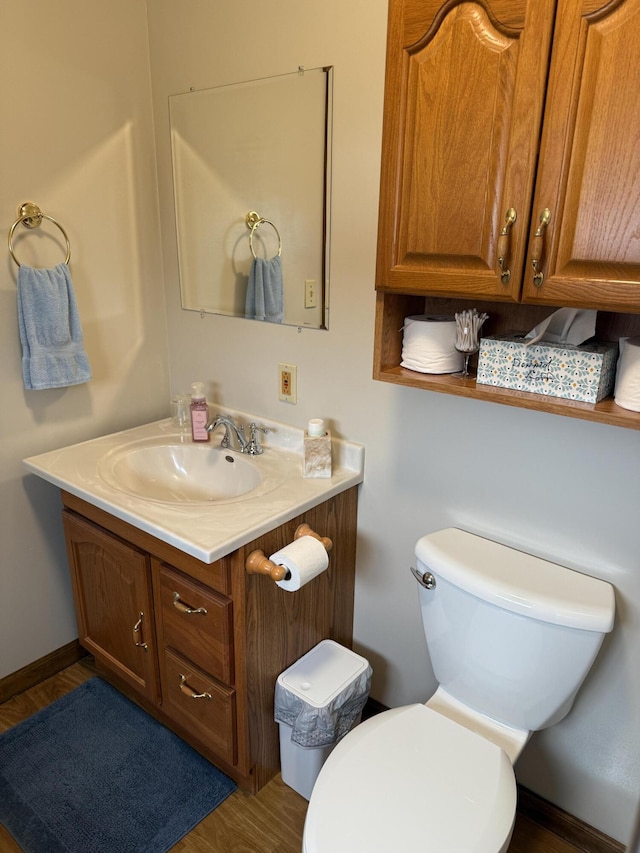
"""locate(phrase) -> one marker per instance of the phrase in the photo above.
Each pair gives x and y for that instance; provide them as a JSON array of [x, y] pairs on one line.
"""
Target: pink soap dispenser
[[199, 413]]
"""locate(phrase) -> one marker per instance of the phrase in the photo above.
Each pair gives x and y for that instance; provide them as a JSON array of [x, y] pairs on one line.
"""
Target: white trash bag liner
[[314, 722]]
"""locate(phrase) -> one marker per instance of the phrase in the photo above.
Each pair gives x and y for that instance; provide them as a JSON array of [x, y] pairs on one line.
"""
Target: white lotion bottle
[[199, 413], [317, 450]]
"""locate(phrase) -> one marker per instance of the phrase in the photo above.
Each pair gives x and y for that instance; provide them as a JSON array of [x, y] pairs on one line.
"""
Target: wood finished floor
[[269, 822]]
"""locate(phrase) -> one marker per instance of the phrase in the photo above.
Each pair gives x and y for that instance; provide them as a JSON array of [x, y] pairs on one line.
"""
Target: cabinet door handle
[[190, 692], [137, 633], [184, 608], [538, 247], [504, 246]]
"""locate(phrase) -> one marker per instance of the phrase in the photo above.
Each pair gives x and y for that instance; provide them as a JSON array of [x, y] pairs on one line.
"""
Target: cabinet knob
[[537, 247], [504, 245]]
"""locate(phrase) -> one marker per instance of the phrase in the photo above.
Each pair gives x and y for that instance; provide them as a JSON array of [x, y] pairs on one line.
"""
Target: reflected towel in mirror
[[265, 294]]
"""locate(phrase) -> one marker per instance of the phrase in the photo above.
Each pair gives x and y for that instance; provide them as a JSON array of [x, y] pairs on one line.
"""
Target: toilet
[[511, 638]]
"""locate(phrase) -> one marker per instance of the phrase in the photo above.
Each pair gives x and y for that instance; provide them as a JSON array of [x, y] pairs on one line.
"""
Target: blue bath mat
[[94, 773]]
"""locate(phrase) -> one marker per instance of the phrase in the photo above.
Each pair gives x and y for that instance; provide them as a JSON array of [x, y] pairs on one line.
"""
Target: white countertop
[[207, 531]]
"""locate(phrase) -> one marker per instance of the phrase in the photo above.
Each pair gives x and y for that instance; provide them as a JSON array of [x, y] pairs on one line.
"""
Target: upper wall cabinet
[[511, 155]]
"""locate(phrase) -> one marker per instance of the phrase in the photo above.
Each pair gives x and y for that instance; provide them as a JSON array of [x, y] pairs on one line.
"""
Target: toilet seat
[[411, 779]]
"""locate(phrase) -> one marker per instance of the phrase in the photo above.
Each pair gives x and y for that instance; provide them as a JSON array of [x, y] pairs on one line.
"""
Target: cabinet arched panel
[[463, 106], [589, 172]]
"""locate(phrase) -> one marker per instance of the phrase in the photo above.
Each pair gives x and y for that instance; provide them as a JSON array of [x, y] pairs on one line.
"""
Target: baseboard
[[372, 708], [547, 815], [34, 673], [571, 829]]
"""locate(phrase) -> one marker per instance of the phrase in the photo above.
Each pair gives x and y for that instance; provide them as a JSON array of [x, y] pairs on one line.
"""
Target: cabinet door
[[589, 171], [464, 92], [112, 591]]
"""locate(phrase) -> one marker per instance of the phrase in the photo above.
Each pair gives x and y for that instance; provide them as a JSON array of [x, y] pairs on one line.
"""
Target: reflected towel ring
[[254, 221], [30, 215]]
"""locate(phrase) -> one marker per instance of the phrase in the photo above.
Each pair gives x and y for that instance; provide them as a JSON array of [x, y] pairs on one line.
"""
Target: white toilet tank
[[509, 634]]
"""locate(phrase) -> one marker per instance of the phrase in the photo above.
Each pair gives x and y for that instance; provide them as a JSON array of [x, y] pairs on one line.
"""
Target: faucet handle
[[254, 448]]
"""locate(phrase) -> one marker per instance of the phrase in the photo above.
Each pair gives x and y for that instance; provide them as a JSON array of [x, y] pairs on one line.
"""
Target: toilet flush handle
[[427, 580]]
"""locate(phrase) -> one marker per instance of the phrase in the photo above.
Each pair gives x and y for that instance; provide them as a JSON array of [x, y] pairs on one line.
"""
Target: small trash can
[[317, 701]]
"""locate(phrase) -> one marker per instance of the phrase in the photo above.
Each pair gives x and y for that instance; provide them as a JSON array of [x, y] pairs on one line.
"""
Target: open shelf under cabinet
[[392, 308]]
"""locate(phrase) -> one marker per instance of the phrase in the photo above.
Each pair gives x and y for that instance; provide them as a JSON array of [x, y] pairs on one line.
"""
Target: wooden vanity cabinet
[[495, 112], [216, 637]]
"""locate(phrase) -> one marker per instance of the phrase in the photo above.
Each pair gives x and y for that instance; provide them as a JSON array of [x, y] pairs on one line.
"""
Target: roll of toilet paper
[[627, 388], [305, 558], [428, 344]]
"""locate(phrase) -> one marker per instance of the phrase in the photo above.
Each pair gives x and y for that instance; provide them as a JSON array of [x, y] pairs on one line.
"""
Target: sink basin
[[179, 472], [188, 506]]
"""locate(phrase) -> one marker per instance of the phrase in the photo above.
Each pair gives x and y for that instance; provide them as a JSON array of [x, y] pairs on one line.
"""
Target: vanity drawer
[[197, 622], [200, 705]]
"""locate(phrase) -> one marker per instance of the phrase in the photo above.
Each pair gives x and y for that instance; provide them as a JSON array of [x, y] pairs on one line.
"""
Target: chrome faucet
[[234, 437]]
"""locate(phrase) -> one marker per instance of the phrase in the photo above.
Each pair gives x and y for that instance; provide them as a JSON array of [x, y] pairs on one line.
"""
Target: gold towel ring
[[30, 215], [254, 220]]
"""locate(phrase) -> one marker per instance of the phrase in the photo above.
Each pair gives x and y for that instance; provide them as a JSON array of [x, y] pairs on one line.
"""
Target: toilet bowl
[[439, 777], [431, 785]]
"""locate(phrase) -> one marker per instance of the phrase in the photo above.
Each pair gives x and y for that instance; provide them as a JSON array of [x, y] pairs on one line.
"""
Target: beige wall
[[77, 138], [565, 488]]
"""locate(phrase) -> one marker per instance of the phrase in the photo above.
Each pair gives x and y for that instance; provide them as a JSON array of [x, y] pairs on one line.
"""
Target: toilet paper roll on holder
[[257, 563]]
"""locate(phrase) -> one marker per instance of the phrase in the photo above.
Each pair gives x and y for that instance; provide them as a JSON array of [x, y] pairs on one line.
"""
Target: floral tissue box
[[586, 372]]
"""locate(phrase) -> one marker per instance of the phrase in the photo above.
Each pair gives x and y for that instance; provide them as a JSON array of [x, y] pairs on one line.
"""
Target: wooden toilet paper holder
[[259, 564]]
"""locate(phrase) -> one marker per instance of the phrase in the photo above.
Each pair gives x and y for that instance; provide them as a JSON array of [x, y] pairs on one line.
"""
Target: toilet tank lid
[[517, 581]]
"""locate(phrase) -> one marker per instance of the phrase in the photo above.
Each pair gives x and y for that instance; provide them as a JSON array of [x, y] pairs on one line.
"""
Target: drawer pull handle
[[137, 634], [184, 608], [504, 246], [538, 247], [189, 691]]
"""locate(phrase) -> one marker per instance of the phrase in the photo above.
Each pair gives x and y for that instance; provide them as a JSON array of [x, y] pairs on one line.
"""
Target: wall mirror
[[251, 173]]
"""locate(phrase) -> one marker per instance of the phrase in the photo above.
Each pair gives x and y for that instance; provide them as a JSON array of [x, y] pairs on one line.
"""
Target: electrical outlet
[[310, 293], [288, 383]]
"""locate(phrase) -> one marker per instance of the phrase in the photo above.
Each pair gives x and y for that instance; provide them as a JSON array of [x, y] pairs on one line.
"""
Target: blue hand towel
[[265, 296], [53, 353]]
